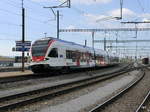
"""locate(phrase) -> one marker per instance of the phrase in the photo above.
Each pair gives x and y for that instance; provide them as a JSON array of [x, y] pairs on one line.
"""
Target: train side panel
[[52, 53]]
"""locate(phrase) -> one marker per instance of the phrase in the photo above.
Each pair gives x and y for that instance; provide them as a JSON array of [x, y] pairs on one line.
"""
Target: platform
[[14, 74]]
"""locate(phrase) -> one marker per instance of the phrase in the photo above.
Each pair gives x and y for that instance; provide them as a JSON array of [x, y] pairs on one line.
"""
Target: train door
[[62, 56], [78, 58], [88, 58], [53, 55]]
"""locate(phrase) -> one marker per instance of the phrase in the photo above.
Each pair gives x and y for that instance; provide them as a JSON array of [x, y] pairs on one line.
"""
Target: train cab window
[[53, 53]]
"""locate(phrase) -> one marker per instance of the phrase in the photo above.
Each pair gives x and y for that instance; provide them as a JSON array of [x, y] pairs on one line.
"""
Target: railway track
[[25, 98], [41, 76], [109, 101], [145, 105]]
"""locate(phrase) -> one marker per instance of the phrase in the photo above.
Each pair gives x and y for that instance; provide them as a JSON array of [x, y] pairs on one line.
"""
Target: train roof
[[64, 41], [73, 43]]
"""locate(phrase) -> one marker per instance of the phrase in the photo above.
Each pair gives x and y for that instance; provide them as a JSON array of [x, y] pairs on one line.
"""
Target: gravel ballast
[[63, 99], [130, 101], [22, 86], [90, 99]]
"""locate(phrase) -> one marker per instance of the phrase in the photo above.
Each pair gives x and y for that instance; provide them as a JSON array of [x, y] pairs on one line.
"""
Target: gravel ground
[[131, 100], [37, 107], [32, 82], [146, 106], [85, 100]]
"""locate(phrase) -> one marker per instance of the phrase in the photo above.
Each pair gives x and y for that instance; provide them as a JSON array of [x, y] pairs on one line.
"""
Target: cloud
[[93, 18], [89, 2], [109, 17], [126, 12], [145, 15], [70, 27], [83, 2], [41, 0]]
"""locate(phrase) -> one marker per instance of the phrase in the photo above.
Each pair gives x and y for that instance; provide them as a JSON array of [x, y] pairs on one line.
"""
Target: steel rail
[[140, 108], [25, 77], [58, 90], [103, 105]]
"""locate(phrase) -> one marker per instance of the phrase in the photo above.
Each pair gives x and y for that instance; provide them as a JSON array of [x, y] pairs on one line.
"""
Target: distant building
[[18, 61], [6, 62]]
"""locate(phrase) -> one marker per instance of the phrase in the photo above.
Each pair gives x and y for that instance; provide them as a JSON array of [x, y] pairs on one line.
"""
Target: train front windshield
[[39, 47]]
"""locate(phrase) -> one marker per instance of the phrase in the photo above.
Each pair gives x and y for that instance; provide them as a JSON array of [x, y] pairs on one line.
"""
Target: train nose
[[40, 68], [38, 58]]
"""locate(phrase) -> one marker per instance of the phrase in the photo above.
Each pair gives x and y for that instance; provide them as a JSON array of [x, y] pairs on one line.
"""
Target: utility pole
[[23, 34], [116, 42], [136, 41], [85, 43], [105, 41], [116, 45], [57, 24], [65, 4], [121, 6], [93, 40]]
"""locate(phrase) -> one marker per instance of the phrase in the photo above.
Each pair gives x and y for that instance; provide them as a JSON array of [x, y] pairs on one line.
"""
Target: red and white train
[[51, 54]]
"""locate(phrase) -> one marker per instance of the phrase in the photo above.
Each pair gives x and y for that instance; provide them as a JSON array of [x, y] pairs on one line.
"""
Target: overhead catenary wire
[[10, 12], [3, 36], [32, 18], [17, 14], [38, 4], [10, 24], [76, 9], [17, 5], [143, 9], [17, 25], [11, 3], [34, 10]]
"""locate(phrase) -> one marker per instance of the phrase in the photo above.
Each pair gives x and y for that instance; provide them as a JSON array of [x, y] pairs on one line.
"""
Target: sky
[[82, 14]]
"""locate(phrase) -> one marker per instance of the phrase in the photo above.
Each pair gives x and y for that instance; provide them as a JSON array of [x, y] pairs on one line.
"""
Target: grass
[[2, 58]]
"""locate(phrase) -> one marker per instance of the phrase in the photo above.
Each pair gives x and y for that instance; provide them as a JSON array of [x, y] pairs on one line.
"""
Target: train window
[[68, 54], [74, 55], [39, 50], [92, 57], [53, 53], [78, 55], [41, 42]]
